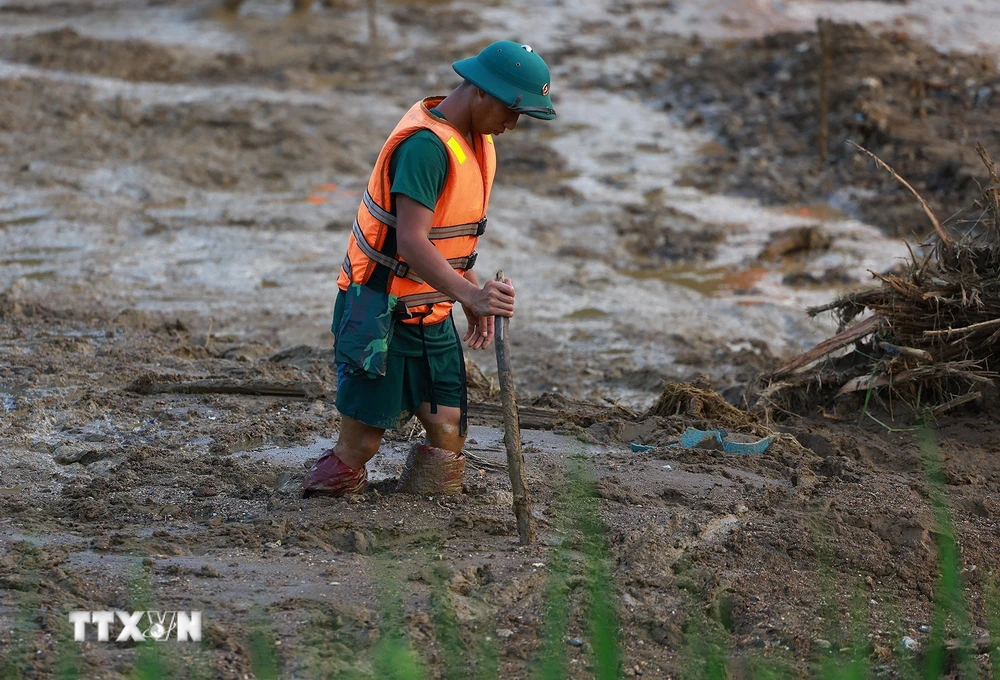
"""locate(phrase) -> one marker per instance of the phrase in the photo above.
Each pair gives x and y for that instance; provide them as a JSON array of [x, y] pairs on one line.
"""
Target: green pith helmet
[[514, 74]]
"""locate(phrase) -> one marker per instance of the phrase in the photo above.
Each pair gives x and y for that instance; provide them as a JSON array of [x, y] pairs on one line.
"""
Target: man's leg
[[436, 467], [358, 443], [341, 470], [442, 427]]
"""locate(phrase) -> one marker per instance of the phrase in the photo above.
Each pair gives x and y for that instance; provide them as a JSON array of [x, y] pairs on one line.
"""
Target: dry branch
[[852, 334], [948, 332], [927, 209]]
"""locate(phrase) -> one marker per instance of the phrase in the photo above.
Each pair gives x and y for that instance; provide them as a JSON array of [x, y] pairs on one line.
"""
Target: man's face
[[490, 116]]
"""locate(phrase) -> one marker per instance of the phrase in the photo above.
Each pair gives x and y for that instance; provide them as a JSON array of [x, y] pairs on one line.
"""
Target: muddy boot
[[431, 471], [329, 476]]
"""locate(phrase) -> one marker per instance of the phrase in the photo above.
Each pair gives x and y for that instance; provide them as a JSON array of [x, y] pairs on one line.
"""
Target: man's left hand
[[481, 328]]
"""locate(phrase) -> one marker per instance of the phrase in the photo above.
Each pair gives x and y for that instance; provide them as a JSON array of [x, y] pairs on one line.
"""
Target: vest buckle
[[401, 269], [472, 260], [480, 228]]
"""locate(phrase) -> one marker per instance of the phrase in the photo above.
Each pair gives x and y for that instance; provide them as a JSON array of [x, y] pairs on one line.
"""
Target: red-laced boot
[[330, 476]]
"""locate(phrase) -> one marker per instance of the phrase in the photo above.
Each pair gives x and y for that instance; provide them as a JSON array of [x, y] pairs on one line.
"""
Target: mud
[[920, 109], [174, 208]]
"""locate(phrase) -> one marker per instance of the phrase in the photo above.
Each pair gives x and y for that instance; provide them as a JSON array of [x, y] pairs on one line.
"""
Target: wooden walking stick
[[512, 432]]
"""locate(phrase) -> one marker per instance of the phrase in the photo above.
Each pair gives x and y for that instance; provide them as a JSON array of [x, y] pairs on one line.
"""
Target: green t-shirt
[[418, 169]]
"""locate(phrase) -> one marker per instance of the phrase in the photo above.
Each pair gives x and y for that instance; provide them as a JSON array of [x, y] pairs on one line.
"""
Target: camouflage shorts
[[364, 331]]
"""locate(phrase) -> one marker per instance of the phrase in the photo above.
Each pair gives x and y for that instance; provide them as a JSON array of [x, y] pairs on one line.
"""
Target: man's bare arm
[[413, 227]]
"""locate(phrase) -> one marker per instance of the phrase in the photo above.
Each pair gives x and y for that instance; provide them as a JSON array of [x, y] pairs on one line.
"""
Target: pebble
[[823, 644], [909, 643], [575, 641], [500, 498], [504, 633]]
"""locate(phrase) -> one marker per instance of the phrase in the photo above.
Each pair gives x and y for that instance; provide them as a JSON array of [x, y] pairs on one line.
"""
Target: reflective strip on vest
[[398, 267], [456, 149], [386, 218], [347, 265], [422, 299], [392, 263], [436, 234]]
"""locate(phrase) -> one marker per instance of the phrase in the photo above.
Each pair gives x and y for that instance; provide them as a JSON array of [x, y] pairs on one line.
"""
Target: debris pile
[[928, 337], [697, 400]]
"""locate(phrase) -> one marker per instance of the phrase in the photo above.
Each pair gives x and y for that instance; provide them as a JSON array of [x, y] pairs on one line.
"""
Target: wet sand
[[176, 198]]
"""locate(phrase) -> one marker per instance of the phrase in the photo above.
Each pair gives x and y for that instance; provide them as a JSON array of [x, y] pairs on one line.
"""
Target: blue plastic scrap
[[692, 438], [639, 448]]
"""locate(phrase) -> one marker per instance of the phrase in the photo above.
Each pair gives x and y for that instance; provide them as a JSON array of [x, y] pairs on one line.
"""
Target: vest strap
[[421, 299], [398, 267], [437, 233]]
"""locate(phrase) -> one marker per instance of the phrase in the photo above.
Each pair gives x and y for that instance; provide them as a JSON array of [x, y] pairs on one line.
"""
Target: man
[[410, 256]]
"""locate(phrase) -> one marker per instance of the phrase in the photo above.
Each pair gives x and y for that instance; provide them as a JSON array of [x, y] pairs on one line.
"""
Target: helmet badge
[[545, 89], [527, 48]]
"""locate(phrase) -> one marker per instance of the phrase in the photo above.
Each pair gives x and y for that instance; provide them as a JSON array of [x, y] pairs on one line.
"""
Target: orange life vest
[[459, 215]]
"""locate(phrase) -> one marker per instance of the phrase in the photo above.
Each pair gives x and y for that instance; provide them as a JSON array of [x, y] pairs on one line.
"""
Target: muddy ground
[[920, 110], [174, 199]]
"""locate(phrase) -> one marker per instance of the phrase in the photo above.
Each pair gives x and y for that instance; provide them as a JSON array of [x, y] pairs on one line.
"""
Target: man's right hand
[[493, 299]]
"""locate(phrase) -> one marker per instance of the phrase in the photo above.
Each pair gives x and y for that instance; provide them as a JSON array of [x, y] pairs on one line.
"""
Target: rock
[[804, 478], [909, 644], [504, 633], [70, 453], [667, 633], [207, 571], [795, 240], [361, 542], [470, 610], [823, 644], [501, 498], [247, 353], [575, 642]]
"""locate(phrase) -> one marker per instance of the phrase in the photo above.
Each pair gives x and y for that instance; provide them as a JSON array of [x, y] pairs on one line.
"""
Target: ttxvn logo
[[138, 626]]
